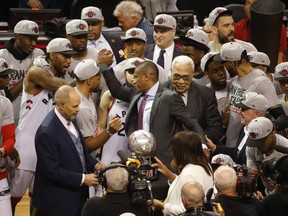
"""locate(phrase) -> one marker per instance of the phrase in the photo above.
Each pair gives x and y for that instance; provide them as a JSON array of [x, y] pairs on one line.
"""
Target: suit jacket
[[116, 43], [167, 115], [58, 175], [149, 51], [202, 104]]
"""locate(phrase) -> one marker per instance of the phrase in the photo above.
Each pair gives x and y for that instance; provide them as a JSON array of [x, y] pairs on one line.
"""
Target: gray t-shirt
[[255, 81]]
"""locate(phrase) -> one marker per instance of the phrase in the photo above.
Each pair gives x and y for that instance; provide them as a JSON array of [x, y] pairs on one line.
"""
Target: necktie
[[141, 112], [160, 60]]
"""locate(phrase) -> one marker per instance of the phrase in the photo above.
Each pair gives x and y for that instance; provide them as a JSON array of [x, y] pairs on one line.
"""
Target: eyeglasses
[[177, 77]]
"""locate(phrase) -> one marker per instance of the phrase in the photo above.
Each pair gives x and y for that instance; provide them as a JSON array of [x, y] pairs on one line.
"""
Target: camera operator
[[116, 201], [225, 180], [276, 203], [192, 195]]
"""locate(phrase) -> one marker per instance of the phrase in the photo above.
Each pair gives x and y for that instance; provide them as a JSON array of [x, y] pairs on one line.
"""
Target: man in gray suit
[[164, 112]]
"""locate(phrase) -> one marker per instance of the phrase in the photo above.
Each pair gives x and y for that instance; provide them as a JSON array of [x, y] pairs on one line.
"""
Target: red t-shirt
[[242, 32]]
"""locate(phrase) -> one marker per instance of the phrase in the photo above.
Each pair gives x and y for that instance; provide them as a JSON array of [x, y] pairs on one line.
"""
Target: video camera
[[246, 183], [139, 188]]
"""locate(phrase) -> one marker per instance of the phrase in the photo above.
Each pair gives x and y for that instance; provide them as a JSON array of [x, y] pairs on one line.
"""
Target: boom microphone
[[131, 164]]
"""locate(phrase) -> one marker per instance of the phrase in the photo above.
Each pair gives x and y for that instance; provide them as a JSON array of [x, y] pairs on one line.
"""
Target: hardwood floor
[[22, 208]]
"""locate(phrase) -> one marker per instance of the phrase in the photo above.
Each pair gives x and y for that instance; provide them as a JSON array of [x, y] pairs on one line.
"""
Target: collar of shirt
[[95, 43], [67, 124], [152, 91]]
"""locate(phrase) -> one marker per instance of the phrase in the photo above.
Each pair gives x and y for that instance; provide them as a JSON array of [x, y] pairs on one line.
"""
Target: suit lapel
[[192, 99], [63, 131]]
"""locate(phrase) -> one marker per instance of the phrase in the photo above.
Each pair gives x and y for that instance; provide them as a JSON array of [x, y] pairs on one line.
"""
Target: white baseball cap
[[135, 33], [88, 68], [198, 36], [76, 27], [259, 58], [230, 51], [205, 60], [216, 13], [258, 129], [4, 68], [26, 27], [91, 14], [254, 100], [281, 71], [222, 159], [165, 21], [60, 45], [132, 63]]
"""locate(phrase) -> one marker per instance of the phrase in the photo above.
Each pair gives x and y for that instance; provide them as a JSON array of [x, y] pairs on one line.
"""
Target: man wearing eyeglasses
[[200, 100]]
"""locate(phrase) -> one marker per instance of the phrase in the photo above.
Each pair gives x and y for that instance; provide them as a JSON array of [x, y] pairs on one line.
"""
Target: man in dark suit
[[164, 50], [200, 100], [164, 111], [64, 167], [110, 40]]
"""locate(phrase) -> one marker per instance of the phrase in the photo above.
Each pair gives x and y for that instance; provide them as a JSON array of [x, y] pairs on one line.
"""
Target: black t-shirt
[[276, 204], [112, 204], [234, 206]]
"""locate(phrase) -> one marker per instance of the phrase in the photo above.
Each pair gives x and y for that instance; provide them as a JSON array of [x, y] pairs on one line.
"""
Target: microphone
[[281, 149], [130, 163], [209, 194]]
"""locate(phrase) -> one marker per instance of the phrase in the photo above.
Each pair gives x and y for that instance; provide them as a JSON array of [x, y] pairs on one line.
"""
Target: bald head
[[225, 180], [67, 102], [148, 67], [192, 194], [64, 93]]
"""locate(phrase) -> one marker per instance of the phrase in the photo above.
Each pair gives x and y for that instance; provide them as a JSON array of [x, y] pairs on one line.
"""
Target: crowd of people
[[215, 106]]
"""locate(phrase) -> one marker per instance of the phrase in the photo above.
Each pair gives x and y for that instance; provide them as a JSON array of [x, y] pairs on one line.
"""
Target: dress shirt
[[148, 107], [168, 56], [101, 43], [67, 124]]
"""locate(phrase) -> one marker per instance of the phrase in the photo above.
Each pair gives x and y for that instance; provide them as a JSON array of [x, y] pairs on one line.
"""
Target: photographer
[[225, 180], [192, 195], [276, 204], [116, 201]]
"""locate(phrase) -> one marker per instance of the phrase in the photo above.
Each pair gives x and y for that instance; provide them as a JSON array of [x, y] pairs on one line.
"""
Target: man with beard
[[19, 53], [88, 80], [216, 73], [249, 79], [223, 25], [109, 40], [77, 34], [42, 79], [195, 46]]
